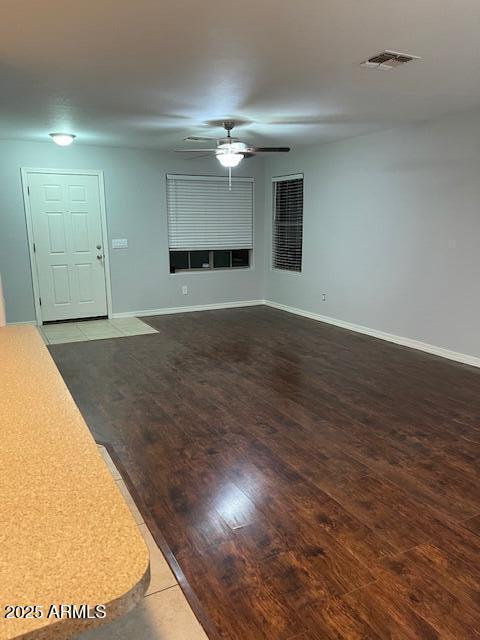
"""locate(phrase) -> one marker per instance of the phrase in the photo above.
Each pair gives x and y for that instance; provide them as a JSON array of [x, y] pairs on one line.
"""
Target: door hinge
[[34, 248], [40, 300], [28, 190]]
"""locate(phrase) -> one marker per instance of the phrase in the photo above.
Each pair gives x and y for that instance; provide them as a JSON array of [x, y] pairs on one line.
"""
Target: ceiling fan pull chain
[[229, 178]]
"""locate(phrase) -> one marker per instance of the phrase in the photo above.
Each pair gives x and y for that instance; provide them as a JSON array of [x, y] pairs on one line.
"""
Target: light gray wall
[[136, 209], [391, 232]]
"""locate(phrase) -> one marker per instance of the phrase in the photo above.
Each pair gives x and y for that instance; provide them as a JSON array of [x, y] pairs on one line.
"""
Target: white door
[[68, 245]]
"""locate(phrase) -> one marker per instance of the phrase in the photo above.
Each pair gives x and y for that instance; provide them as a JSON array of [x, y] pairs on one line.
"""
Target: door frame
[[24, 172]]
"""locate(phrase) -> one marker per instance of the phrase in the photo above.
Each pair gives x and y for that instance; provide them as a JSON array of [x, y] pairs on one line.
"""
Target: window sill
[[184, 272], [294, 273]]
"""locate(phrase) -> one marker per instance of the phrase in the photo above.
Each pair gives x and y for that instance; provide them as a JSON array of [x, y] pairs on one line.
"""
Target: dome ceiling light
[[63, 139]]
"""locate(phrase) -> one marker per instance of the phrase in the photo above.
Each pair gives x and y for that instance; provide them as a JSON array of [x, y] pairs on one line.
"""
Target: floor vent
[[388, 60]]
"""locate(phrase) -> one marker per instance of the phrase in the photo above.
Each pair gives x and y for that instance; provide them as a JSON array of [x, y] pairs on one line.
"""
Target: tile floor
[[164, 613], [93, 330]]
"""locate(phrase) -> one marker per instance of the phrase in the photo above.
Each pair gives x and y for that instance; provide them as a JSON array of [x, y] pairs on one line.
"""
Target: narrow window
[[287, 223]]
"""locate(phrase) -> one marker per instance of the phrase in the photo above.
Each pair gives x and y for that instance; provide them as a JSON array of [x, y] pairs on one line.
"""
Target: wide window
[[287, 222], [210, 226]]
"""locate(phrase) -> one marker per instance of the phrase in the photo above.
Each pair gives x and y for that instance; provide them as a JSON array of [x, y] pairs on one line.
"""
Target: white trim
[[251, 265], [24, 172], [184, 176], [382, 335], [105, 241], [293, 176], [196, 307], [31, 322], [33, 265]]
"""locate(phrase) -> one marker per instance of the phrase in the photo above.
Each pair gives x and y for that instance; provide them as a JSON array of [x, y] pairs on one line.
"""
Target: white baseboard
[[382, 335], [33, 322], [374, 333], [196, 307]]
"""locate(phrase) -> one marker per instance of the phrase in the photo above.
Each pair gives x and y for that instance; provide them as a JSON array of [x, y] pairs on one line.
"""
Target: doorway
[[66, 225]]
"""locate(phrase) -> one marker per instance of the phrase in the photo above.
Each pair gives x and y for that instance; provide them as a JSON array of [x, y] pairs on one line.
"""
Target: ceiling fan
[[230, 151]]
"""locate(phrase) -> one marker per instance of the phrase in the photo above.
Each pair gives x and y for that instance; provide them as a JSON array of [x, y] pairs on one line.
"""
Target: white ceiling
[[146, 73]]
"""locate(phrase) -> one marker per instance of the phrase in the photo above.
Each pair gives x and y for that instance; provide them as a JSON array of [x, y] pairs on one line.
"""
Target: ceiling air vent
[[388, 60]]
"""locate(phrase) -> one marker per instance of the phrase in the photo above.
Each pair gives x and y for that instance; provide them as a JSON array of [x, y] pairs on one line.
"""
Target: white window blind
[[288, 222], [204, 214]]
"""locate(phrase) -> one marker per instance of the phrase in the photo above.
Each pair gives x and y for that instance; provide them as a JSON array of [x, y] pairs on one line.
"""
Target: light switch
[[119, 243]]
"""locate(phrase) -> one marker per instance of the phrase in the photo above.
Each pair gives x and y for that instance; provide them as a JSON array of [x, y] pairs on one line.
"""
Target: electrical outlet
[[324, 297], [185, 290], [119, 243]]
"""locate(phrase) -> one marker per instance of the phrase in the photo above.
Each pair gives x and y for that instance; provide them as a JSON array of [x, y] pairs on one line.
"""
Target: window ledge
[[184, 272]]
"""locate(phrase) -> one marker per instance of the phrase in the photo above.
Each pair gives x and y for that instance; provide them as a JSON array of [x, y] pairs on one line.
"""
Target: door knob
[[99, 256], [99, 246]]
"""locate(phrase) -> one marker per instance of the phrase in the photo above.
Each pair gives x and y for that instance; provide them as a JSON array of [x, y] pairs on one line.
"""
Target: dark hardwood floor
[[312, 483]]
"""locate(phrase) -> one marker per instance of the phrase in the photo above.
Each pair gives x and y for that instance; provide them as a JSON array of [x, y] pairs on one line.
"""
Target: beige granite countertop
[[66, 534]]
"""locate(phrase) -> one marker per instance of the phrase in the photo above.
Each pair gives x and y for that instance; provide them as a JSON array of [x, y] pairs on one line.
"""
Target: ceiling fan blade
[[202, 155], [193, 150], [198, 139], [270, 149]]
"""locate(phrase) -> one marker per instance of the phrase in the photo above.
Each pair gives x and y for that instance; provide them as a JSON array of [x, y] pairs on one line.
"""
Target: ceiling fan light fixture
[[229, 158], [230, 151], [63, 139]]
